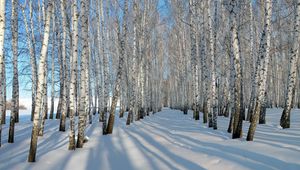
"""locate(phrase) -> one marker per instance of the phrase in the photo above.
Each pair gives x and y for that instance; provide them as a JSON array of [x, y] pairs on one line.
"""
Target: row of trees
[[232, 58], [216, 57]]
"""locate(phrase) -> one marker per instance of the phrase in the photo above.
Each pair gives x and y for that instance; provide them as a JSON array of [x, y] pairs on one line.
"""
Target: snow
[[165, 140]]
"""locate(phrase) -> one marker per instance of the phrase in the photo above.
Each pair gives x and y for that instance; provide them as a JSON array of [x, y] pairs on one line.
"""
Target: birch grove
[[102, 61], [290, 93]]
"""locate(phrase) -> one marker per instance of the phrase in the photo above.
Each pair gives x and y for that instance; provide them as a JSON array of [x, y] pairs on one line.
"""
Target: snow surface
[[166, 140]]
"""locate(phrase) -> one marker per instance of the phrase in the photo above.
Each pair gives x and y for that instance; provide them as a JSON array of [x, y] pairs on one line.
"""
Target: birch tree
[[194, 60], [98, 62], [44, 110], [237, 118], [53, 65], [105, 66], [62, 125], [122, 41], [73, 75], [253, 90], [31, 46], [132, 78], [263, 65], [14, 117], [212, 101], [83, 66], [2, 30], [41, 77]]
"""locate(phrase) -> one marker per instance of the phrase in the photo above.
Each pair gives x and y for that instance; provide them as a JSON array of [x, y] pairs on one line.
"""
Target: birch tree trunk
[[2, 86], [14, 117], [87, 77], [212, 115], [2, 61], [204, 70], [61, 74], [83, 66], [33, 63], [215, 82], [62, 125], [116, 94], [31, 47], [237, 118], [290, 93], [133, 67], [253, 90], [99, 60], [74, 65], [265, 56], [105, 65], [43, 57], [44, 108], [53, 66], [194, 60]]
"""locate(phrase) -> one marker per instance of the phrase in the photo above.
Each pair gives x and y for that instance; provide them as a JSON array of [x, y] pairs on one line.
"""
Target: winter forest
[[149, 84]]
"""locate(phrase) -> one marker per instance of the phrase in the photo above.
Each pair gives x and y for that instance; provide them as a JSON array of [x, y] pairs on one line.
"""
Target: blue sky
[[24, 58]]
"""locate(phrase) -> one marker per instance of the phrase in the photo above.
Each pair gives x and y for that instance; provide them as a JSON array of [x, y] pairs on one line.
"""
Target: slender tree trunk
[[83, 66], [133, 67], [74, 65], [194, 60], [62, 125], [31, 47], [2, 61], [61, 74], [35, 128], [99, 62], [204, 70], [2, 88], [214, 72], [237, 118], [53, 66], [44, 109], [14, 117], [88, 87], [116, 94], [212, 116], [263, 71], [105, 66]]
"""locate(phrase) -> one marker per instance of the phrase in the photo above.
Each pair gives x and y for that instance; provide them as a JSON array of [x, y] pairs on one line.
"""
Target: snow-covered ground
[[166, 140]]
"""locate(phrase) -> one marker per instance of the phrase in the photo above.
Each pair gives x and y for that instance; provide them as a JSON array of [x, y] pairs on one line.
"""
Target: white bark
[[43, 57], [213, 99], [14, 117], [116, 95], [44, 110], [133, 67], [265, 57], [31, 47], [62, 125], [74, 65], [238, 121], [105, 64], [99, 60], [53, 65], [83, 66], [194, 61], [2, 30]]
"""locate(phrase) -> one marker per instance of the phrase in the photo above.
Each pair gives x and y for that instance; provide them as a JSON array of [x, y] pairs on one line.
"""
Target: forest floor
[[166, 140]]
